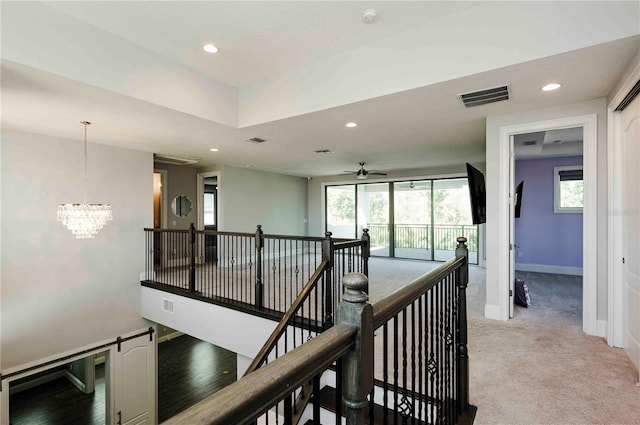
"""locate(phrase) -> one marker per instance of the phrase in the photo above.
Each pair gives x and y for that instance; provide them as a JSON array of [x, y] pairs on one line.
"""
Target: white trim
[[545, 268], [164, 202], [601, 328], [557, 205], [200, 212], [169, 337], [492, 311], [616, 326], [589, 123]]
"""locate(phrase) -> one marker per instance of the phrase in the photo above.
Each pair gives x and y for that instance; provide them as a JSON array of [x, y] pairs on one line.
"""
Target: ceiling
[[294, 73]]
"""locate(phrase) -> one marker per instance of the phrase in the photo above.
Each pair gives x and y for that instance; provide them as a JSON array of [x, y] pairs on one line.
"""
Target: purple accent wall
[[544, 237]]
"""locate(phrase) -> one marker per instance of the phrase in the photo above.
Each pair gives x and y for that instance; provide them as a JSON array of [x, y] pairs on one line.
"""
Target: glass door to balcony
[[418, 219], [373, 213], [412, 220]]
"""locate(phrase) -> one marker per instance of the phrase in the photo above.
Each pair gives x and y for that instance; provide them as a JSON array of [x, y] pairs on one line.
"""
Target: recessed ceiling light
[[351, 124], [214, 149], [210, 48], [551, 86]]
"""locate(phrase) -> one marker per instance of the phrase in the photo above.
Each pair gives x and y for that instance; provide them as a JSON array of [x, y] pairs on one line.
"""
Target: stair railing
[[425, 368], [251, 271]]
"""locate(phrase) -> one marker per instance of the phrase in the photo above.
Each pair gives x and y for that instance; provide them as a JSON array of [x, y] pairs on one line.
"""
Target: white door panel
[[135, 382], [630, 124]]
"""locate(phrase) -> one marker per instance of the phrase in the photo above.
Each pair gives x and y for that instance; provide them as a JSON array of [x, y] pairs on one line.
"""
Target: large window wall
[[407, 219]]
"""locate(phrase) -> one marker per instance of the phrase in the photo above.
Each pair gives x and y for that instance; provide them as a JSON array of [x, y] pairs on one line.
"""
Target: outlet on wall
[[520, 254]]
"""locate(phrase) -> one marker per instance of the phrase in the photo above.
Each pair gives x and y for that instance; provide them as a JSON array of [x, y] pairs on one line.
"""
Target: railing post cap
[[355, 286], [461, 239], [259, 226], [328, 234]]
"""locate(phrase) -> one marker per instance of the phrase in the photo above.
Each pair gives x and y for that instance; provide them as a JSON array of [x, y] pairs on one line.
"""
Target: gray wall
[[248, 197], [59, 293]]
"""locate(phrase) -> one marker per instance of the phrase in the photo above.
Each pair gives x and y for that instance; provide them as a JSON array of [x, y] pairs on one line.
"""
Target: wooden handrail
[[395, 302], [289, 316], [248, 398]]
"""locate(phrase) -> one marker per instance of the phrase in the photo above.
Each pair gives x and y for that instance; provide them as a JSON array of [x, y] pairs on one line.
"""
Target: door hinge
[[622, 260], [510, 247], [510, 292], [120, 417]]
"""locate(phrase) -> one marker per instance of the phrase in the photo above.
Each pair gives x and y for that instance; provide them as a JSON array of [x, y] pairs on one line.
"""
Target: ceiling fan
[[363, 174]]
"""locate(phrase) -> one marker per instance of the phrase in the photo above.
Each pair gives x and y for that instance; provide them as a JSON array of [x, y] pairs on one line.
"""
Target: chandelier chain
[[85, 123]]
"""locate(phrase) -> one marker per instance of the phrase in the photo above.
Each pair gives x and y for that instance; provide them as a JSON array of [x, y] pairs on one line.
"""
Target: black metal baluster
[[420, 342], [395, 369], [385, 374]]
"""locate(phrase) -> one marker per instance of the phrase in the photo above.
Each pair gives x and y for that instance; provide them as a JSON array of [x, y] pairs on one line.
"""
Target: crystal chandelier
[[84, 220]]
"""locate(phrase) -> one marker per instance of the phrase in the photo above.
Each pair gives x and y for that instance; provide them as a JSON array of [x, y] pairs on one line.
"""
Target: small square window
[[568, 189]]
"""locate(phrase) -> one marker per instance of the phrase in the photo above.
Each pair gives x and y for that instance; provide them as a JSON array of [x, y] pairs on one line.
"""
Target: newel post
[[259, 289], [357, 364], [463, 354], [327, 254], [366, 253], [192, 262]]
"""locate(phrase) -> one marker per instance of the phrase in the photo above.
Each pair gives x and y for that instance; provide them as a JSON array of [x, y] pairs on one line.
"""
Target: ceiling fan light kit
[[363, 174]]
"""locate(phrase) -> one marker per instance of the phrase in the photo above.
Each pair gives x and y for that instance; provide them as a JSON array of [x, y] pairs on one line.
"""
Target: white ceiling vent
[[255, 140], [482, 97], [174, 160], [529, 143]]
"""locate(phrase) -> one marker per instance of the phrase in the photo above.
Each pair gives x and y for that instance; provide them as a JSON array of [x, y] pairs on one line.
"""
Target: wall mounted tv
[[477, 194], [518, 205]]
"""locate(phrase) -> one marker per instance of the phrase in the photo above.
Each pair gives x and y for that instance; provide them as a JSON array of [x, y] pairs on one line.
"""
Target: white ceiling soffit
[[281, 48], [400, 84]]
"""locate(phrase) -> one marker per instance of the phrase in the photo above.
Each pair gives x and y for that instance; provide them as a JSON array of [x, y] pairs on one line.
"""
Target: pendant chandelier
[[84, 220]]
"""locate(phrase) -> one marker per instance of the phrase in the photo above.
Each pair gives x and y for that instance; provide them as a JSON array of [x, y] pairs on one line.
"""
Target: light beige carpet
[[538, 368]]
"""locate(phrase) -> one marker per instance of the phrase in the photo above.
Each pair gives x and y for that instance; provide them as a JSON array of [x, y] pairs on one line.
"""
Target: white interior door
[[630, 125], [512, 243], [135, 382]]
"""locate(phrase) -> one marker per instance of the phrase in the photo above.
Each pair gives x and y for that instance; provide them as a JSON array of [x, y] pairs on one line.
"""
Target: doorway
[[505, 218], [69, 393], [548, 227]]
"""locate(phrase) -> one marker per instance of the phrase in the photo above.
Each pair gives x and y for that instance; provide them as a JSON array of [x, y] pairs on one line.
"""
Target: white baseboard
[[75, 381], [543, 268], [169, 337], [492, 312], [31, 383]]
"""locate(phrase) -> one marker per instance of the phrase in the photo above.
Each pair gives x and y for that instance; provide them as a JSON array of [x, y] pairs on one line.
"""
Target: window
[[568, 189]]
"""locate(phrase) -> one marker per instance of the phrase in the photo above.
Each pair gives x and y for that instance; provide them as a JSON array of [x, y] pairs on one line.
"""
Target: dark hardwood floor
[[189, 370]]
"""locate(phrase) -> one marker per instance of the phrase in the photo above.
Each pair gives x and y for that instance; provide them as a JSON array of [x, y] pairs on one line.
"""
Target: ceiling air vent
[[482, 97], [174, 160], [323, 151], [255, 140], [529, 143]]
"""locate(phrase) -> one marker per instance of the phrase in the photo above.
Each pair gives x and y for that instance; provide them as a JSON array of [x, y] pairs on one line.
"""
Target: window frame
[[557, 192]]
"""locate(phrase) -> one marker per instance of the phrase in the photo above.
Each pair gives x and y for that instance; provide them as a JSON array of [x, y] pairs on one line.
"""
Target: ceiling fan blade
[[377, 173]]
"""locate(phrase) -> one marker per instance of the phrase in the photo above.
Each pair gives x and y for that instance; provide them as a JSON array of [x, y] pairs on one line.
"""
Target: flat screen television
[[518, 203], [477, 194]]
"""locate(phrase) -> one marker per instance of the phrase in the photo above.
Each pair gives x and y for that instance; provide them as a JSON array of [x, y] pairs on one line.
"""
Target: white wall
[[249, 197], [493, 149], [59, 293]]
